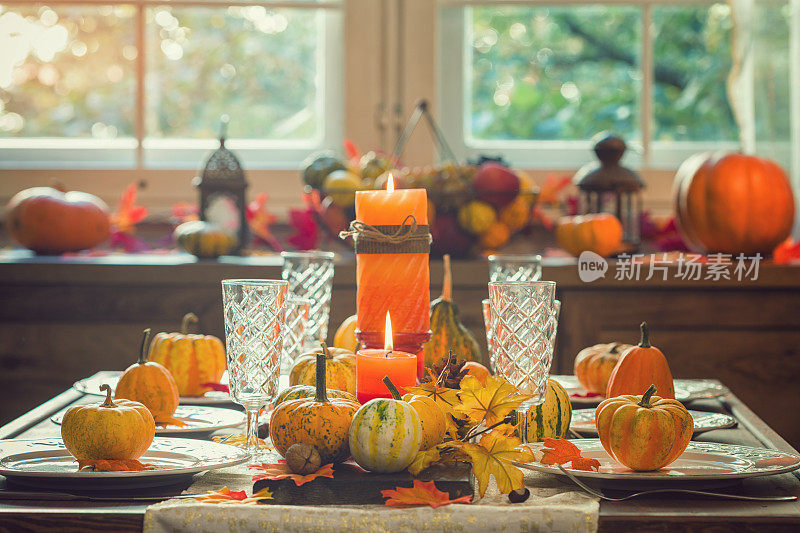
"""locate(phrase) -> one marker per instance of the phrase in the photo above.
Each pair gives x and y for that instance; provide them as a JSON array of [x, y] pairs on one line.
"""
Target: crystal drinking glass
[[254, 312], [504, 267], [523, 321], [297, 312], [310, 275]]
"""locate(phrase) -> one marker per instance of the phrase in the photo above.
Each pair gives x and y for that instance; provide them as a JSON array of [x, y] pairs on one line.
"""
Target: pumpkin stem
[[321, 394], [188, 318], [447, 282], [392, 388], [645, 342], [645, 401], [108, 402], [143, 347]]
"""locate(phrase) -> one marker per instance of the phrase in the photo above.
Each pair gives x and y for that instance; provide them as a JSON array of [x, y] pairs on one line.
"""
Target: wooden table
[[663, 513]]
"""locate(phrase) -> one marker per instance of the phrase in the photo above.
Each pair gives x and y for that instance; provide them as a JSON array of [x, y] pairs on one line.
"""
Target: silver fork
[[662, 491]]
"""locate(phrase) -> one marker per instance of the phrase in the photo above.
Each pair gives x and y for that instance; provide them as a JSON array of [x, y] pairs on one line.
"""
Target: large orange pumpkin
[[600, 233], [638, 368], [50, 221], [191, 359], [733, 203], [644, 432], [152, 385]]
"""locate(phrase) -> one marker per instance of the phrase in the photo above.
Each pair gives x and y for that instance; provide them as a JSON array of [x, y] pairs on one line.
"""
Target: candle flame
[[390, 183], [388, 343]]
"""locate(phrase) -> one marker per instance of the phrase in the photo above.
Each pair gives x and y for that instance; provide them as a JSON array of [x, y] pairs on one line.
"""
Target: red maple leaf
[[128, 214], [280, 470], [422, 493], [787, 252], [562, 451]]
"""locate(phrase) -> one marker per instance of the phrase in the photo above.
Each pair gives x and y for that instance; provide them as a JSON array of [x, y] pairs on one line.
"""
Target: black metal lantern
[[222, 188], [608, 187]]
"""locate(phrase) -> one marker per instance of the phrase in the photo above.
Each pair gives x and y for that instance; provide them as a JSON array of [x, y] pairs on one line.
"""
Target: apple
[[495, 184], [448, 237]]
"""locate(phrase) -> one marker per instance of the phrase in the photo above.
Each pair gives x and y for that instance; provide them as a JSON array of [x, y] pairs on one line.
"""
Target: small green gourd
[[448, 333]]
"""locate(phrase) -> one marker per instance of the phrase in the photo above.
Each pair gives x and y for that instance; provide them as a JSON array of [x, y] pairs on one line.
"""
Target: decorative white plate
[[686, 390], [46, 463], [92, 385], [583, 421], [702, 461], [198, 419]]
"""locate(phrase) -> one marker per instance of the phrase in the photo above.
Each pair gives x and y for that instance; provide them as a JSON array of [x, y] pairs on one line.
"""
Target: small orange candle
[[373, 365]]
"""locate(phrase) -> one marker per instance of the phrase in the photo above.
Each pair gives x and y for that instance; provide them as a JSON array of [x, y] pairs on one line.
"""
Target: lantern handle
[[223, 128]]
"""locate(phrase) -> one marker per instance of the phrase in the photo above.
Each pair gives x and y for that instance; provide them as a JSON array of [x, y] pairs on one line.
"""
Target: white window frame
[[552, 154], [155, 154]]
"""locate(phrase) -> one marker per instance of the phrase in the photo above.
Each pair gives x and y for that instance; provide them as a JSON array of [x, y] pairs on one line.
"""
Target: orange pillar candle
[[372, 365], [396, 283]]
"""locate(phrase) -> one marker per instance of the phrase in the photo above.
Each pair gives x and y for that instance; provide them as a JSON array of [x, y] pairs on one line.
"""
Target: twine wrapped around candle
[[406, 238]]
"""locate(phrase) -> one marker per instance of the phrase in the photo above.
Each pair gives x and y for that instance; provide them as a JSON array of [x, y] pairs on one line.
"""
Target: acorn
[[303, 458], [519, 495]]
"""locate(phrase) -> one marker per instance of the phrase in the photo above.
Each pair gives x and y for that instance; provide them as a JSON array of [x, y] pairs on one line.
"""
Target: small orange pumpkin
[[152, 385], [593, 365], [733, 203], [119, 429], [644, 432], [192, 359], [319, 421], [639, 367], [599, 233]]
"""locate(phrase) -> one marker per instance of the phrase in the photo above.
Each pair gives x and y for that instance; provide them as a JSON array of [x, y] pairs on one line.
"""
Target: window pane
[[66, 71], [258, 65], [552, 72], [692, 58], [771, 59]]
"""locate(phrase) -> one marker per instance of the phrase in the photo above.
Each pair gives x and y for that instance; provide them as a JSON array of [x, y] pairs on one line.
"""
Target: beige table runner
[[553, 506]]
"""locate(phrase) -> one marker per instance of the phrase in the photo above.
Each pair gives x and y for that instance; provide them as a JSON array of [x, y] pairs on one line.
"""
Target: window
[[143, 84], [535, 80]]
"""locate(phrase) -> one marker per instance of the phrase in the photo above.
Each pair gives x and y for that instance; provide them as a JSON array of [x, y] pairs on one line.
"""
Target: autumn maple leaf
[[446, 452], [128, 214], [490, 403], [422, 493], [446, 398], [226, 495], [562, 451], [280, 470], [493, 456]]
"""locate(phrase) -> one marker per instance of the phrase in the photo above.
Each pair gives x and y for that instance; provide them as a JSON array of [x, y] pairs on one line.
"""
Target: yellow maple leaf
[[446, 398], [446, 452], [493, 455], [491, 403]]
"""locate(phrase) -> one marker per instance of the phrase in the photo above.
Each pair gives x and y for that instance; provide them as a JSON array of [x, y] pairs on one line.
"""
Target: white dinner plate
[[702, 461], [583, 421], [686, 390], [92, 385], [46, 463], [198, 419]]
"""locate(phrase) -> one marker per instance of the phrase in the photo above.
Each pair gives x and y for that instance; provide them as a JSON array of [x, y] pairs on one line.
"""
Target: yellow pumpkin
[[600, 233], [319, 421], [340, 369], [432, 419], [119, 429], [644, 432], [204, 240], [151, 384], [191, 359], [385, 434]]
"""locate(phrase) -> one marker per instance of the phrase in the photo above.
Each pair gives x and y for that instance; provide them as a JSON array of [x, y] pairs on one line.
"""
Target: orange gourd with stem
[[152, 385], [638, 368], [644, 432]]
